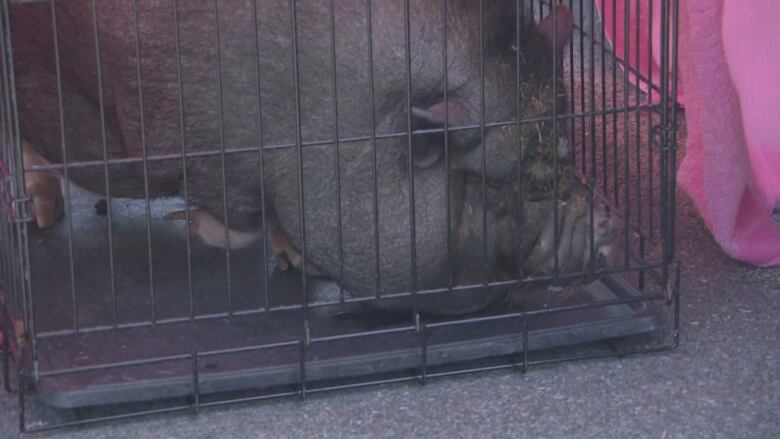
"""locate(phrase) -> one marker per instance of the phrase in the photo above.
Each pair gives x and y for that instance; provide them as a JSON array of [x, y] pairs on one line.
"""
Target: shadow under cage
[[207, 203]]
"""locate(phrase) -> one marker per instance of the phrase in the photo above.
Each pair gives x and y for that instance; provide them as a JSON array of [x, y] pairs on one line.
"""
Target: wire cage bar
[[279, 198]]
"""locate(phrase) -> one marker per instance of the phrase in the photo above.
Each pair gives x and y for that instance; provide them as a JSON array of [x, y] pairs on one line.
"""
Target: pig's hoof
[[43, 188], [211, 230], [286, 254]]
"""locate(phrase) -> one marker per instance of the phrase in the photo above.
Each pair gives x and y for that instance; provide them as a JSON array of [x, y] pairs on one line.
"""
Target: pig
[[252, 93]]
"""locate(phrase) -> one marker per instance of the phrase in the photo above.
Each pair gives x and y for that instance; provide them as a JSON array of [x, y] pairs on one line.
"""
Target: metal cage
[[110, 314]]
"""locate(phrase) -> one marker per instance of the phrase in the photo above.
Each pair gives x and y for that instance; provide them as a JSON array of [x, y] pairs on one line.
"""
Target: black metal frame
[[656, 223]]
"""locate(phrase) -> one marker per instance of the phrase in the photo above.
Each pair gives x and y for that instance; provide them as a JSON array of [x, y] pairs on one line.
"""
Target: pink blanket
[[730, 66]]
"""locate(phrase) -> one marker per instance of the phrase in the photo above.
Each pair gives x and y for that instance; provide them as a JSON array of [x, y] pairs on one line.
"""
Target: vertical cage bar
[[139, 78], [63, 145], [650, 121], [23, 283], [220, 107], [6, 349], [101, 106], [422, 331], [5, 186], [676, 299], [556, 196], [5, 174], [521, 22], [9, 272], [13, 263], [374, 169], [483, 182], [572, 94], [9, 247], [614, 60], [592, 117], [336, 143], [582, 90], [12, 255], [195, 383], [21, 379], [664, 140], [641, 284], [185, 178], [301, 207], [302, 368], [445, 57], [603, 86], [263, 214], [525, 343], [626, 135], [410, 151], [672, 145], [5, 251], [305, 341], [638, 122], [8, 244]]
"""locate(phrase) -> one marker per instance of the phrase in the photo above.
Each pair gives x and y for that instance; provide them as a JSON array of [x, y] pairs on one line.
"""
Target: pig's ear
[[435, 114], [562, 27]]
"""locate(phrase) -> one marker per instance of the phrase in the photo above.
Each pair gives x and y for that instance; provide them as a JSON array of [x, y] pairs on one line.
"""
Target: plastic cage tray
[[327, 357]]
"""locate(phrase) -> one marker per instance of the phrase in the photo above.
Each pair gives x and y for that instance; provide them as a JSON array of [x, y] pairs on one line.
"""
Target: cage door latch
[[21, 209], [663, 137]]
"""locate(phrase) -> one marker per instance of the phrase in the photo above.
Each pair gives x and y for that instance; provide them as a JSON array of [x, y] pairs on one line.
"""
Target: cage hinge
[[21, 209]]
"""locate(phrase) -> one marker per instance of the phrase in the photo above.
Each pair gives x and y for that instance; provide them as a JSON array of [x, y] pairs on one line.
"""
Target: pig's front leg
[[211, 230], [286, 253], [43, 188]]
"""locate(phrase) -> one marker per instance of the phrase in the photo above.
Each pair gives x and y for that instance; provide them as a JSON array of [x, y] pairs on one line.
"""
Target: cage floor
[[330, 355]]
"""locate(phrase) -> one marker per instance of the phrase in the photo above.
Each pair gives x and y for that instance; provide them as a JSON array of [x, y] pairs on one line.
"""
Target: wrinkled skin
[[517, 210]]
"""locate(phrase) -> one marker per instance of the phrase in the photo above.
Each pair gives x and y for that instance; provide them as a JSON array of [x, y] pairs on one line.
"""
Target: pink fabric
[[647, 62], [730, 65]]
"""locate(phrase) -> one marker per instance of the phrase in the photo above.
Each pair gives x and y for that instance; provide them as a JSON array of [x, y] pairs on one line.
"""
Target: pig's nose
[[603, 256], [604, 234]]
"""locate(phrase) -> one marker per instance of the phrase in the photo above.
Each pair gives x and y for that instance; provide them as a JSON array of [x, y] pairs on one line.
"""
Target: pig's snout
[[604, 236], [571, 242]]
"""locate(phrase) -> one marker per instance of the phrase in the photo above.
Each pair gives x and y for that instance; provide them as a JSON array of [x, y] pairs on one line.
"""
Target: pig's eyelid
[[456, 86]]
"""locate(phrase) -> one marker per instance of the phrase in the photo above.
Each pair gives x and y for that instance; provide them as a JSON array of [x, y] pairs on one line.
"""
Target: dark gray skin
[[509, 220]]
